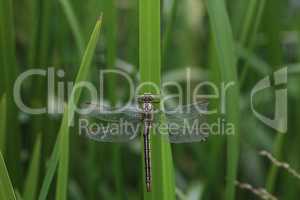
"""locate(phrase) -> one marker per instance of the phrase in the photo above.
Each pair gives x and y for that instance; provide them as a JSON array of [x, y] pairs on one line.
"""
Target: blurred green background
[[232, 40]]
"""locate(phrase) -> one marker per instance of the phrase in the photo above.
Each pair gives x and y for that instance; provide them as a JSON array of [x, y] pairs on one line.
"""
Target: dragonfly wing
[[187, 136], [188, 123], [109, 132], [105, 125], [112, 135], [130, 114]]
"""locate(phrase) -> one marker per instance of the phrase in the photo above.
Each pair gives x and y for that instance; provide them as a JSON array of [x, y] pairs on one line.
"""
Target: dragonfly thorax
[[147, 107]]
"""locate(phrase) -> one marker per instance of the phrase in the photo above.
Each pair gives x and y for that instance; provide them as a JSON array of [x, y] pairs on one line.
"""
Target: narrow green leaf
[[6, 188], [257, 64], [216, 144], [85, 66], [18, 195], [249, 32], [63, 170], [150, 71], [44, 34], [74, 24], [223, 38], [111, 37], [69, 113], [272, 28], [3, 107], [31, 183], [275, 56], [53, 162], [110, 13], [167, 37], [9, 67], [33, 32], [246, 25], [273, 171], [40, 52]]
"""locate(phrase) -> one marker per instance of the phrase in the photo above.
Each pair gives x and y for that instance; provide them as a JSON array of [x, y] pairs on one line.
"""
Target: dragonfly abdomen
[[147, 155]]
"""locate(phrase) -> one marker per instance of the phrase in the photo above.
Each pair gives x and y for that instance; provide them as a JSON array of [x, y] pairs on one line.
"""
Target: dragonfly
[[182, 125]]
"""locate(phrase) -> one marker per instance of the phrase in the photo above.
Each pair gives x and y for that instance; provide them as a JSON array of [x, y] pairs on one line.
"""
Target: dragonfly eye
[[148, 99]]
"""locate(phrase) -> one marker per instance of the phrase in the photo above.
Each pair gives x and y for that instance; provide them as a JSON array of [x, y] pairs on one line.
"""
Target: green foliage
[[9, 70], [54, 159], [74, 24], [31, 183], [62, 174], [150, 71], [60, 152], [6, 188], [3, 122], [223, 39], [155, 41]]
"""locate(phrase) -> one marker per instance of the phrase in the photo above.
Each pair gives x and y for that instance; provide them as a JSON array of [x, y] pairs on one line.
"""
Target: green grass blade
[[110, 13], [8, 63], [53, 162], [3, 107], [40, 53], [18, 195], [33, 32], [31, 183], [275, 57], [216, 144], [246, 27], [86, 61], [6, 188], [63, 170], [132, 54], [257, 64], [74, 24], [150, 71], [272, 28], [222, 35], [167, 37], [256, 21], [45, 16], [249, 31], [111, 37], [162, 165], [273, 171], [117, 165], [69, 113]]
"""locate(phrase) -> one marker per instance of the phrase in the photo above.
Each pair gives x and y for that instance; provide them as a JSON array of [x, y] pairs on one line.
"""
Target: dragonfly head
[[148, 98]]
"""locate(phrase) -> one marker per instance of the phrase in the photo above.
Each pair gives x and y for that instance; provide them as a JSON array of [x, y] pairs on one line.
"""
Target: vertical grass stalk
[[32, 179], [8, 62], [222, 35], [68, 116], [3, 107], [150, 71], [74, 24], [111, 56], [275, 57], [6, 188], [63, 169]]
